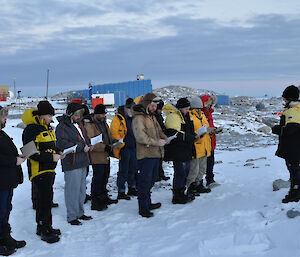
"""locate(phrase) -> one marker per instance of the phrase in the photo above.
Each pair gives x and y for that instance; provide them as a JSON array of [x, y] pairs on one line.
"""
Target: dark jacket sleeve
[[8, 160], [30, 134]]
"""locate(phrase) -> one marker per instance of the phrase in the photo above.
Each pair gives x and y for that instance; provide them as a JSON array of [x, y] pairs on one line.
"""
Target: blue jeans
[[127, 169], [181, 172], [148, 170], [5, 208], [100, 179]]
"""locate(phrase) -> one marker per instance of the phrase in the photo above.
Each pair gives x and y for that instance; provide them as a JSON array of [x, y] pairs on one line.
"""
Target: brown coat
[[98, 155], [147, 132]]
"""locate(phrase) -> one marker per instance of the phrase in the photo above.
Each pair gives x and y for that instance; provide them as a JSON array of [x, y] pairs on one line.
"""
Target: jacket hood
[[138, 110], [121, 110], [30, 117]]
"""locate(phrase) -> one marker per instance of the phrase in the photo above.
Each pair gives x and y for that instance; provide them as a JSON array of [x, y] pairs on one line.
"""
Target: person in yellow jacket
[[203, 150], [121, 129], [41, 166]]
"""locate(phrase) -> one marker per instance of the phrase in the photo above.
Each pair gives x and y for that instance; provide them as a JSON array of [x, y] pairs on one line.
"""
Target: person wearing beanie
[[121, 129], [202, 150], [181, 149], [150, 140], [208, 103], [70, 132], [41, 166], [288, 131], [11, 176], [100, 158], [160, 120]]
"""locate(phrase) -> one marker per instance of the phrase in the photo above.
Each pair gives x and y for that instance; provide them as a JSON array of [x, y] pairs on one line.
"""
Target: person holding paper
[[11, 176], [41, 166], [121, 129], [71, 132], [100, 160], [181, 149], [208, 103], [150, 140], [203, 150]]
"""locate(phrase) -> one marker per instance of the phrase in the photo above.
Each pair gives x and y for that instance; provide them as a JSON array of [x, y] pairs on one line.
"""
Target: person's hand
[[107, 149], [162, 142], [57, 157], [86, 148], [91, 147], [20, 160]]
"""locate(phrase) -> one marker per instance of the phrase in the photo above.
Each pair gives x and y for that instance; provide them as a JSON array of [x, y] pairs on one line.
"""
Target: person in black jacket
[[41, 166], [181, 149], [289, 140], [160, 120], [70, 132], [10, 176]]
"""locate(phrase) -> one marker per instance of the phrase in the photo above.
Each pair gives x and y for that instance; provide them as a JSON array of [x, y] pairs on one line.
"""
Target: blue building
[[121, 90], [222, 99]]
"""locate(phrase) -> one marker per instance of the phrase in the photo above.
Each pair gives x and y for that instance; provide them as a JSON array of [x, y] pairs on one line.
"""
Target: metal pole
[[47, 84], [15, 93]]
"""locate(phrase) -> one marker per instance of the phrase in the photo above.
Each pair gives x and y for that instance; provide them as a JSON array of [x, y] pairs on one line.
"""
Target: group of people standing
[[137, 136]]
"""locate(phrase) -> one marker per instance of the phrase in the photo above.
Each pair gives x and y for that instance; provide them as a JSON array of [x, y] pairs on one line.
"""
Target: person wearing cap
[[100, 160], [289, 140], [11, 176], [181, 149], [160, 120], [150, 140], [121, 128], [202, 150], [208, 102], [41, 166], [70, 132]]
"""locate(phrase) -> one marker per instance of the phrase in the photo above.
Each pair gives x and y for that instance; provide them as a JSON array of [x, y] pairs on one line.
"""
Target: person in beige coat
[[149, 142], [100, 160]]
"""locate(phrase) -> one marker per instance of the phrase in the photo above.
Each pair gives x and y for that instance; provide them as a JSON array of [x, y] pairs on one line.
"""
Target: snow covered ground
[[242, 217]]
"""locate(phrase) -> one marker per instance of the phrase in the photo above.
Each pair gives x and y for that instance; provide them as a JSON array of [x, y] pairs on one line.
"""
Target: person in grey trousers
[[70, 132]]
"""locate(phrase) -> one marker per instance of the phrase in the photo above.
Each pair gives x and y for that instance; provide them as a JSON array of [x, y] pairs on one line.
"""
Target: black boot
[[179, 197], [192, 191], [6, 250], [202, 189], [154, 206], [48, 235], [122, 195], [53, 230], [132, 191], [293, 195], [146, 213], [13, 243], [98, 203]]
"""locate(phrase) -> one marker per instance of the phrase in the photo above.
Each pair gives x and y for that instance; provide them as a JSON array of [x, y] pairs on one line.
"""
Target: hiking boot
[[84, 217], [13, 243], [154, 206], [109, 201], [48, 236], [6, 250], [146, 213], [179, 197], [292, 196], [53, 230], [122, 195], [98, 204], [75, 222], [132, 191], [202, 189]]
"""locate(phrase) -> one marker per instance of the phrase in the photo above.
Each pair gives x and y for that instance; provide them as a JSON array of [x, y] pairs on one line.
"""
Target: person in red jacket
[[208, 102]]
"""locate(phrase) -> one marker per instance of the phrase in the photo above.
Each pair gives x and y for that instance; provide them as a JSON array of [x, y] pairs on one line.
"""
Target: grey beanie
[[196, 102]]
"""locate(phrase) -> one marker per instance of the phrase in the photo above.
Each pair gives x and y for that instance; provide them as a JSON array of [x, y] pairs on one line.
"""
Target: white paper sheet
[[202, 130], [121, 141], [96, 140], [169, 139], [70, 149]]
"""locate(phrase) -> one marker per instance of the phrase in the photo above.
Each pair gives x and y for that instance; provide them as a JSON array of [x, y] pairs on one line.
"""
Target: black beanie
[[100, 109], [44, 107], [291, 93], [73, 107], [129, 103], [182, 103]]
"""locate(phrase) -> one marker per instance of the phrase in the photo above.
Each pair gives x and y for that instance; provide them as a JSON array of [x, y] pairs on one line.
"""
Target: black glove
[[107, 149]]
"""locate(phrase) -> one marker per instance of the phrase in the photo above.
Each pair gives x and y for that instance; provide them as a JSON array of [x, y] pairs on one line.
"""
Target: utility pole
[[47, 84], [15, 92]]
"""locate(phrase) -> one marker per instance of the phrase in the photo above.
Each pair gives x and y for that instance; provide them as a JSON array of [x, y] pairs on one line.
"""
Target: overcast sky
[[236, 47]]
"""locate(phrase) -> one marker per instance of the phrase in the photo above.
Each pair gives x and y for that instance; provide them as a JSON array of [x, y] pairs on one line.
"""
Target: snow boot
[[53, 230], [84, 217], [292, 196], [154, 206], [192, 191], [202, 189], [146, 213], [48, 235], [179, 197], [108, 200], [132, 191], [6, 250], [123, 195], [98, 203], [75, 222], [13, 243]]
